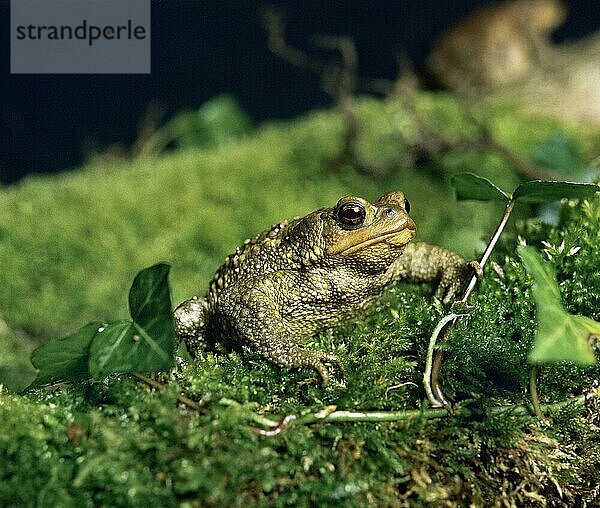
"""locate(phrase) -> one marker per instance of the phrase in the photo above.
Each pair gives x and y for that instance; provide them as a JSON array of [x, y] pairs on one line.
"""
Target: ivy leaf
[[542, 191], [145, 344], [560, 152], [471, 186], [150, 303], [65, 358], [559, 336]]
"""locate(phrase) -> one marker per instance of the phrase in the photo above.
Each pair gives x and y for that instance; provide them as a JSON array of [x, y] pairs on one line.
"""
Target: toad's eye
[[407, 205], [351, 215]]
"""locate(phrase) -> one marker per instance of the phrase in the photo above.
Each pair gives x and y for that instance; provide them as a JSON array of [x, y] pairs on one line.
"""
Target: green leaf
[[65, 358], [564, 337], [217, 122], [560, 152], [541, 191], [545, 287], [471, 186], [150, 300], [145, 344], [119, 348], [560, 336]]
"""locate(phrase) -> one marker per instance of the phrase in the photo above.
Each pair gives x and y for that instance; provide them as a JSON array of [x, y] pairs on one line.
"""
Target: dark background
[[206, 47]]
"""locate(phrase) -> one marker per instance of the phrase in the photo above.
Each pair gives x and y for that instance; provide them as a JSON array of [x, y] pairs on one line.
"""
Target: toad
[[496, 45], [317, 271]]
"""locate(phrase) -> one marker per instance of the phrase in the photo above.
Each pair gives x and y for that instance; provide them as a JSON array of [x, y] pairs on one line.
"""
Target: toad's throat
[[395, 239]]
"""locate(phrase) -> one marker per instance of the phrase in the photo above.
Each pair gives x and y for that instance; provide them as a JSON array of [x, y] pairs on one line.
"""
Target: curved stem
[[435, 374], [430, 380], [435, 380]]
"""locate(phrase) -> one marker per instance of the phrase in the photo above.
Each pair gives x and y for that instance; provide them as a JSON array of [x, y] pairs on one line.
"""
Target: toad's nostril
[[390, 212]]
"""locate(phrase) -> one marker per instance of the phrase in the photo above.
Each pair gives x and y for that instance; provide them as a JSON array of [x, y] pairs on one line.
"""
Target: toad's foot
[[292, 355], [190, 322], [454, 277]]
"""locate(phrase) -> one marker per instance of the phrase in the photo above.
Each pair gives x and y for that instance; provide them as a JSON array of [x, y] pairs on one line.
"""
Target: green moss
[[490, 347], [71, 244]]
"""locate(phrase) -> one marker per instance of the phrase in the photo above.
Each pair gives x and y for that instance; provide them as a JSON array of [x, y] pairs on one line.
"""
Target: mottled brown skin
[[496, 45], [317, 271]]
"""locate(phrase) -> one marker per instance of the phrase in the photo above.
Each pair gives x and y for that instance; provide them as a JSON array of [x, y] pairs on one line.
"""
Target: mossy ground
[[71, 244]]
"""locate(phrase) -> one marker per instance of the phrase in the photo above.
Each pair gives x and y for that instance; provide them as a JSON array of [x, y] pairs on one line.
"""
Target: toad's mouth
[[395, 239]]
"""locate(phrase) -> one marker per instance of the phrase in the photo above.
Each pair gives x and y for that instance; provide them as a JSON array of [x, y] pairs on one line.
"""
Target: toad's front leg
[[422, 262], [190, 324]]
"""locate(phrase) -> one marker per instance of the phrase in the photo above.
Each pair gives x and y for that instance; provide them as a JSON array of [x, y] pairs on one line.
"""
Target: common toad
[[496, 45], [320, 270]]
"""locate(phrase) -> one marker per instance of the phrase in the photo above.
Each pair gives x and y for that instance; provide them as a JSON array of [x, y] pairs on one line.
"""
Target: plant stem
[[533, 393], [332, 415], [428, 380], [490, 247], [436, 394]]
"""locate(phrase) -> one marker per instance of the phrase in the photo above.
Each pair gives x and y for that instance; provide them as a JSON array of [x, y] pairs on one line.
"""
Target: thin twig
[[490, 248], [255, 417], [341, 416], [159, 386], [341, 81], [275, 28]]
